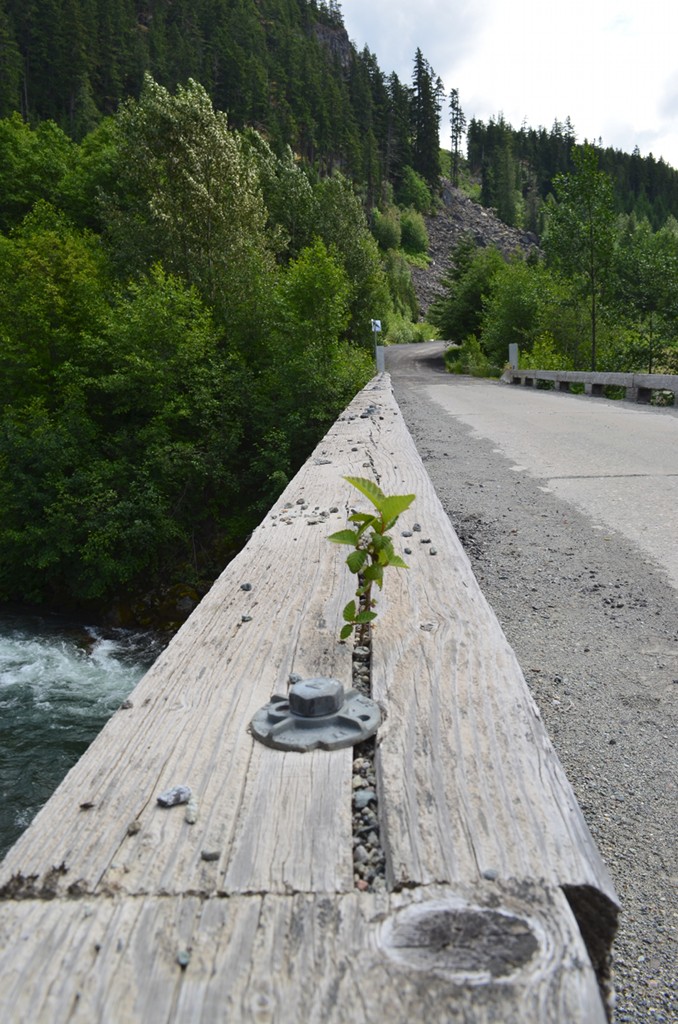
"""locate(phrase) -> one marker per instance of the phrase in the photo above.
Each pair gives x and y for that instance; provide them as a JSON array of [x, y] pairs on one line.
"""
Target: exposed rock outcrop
[[461, 216]]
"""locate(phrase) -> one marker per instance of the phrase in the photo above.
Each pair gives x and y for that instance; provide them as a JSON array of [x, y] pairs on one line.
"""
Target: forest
[[599, 293], [203, 205]]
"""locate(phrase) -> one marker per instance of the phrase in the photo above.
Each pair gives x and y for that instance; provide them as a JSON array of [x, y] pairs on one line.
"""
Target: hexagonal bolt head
[[312, 698]]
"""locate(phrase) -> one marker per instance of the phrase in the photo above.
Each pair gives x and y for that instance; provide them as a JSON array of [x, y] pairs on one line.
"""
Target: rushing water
[[59, 684]]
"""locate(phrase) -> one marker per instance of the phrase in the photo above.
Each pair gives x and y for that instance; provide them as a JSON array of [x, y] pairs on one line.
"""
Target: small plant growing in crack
[[372, 550]]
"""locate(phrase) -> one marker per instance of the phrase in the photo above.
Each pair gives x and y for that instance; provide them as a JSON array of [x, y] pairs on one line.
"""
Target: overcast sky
[[610, 65]]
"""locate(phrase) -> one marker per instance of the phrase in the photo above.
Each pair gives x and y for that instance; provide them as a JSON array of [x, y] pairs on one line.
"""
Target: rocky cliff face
[[335, 38], [461, 216]]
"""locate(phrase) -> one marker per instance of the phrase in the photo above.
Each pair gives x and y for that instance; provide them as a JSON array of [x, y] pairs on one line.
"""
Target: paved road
[[614, 461]]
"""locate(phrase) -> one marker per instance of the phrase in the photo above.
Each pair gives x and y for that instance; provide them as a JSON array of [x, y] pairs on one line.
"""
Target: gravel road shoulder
[[596, 632]]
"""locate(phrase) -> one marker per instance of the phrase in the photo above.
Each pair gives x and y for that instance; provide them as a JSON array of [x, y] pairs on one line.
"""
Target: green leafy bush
[[413, 230], [400, 284], [470, 358], [386, 228], [413, 191], [544, 355]]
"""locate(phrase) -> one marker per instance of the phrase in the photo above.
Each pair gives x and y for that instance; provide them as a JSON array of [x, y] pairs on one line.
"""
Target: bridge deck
[[114, 908]]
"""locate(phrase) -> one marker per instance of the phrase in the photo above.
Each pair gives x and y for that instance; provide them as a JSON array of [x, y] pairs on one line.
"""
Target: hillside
[[461, 216]]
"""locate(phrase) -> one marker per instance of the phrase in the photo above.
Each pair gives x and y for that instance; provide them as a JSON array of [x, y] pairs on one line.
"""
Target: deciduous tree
[[581, 231]]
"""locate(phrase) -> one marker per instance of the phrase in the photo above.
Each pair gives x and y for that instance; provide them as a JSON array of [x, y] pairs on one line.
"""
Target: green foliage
[[414, 233], [190, 190], [414, 192], [373, 549], [533, 158], [33, 164], [511, 309], [581, 232], [129, 461], [457, 127], [402, 331], [427, 93], [544, 355], [52, 287], [469, 358], [400, 285], [341, 223], [458, 312], [386, 228], [161, 374], [646, 274]]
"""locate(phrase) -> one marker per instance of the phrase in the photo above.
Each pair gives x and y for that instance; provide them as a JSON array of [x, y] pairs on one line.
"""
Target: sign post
[[378, 349]]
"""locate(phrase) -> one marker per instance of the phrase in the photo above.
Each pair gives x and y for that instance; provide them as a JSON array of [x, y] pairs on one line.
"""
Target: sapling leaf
[[346, 631], [393, 506], [362, 517], [369, 489], [374, 573], [397, 562], [365, 617], [387, 548], [344, 537], [356, 560], [349, 611]]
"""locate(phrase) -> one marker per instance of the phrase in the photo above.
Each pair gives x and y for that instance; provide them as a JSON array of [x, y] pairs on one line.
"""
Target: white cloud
[[607, 64]]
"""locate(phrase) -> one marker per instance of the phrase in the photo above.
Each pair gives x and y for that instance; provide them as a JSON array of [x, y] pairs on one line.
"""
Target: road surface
[[617, 462]]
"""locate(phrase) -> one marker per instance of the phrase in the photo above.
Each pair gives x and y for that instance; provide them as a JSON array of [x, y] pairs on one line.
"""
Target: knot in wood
[[456, 938]]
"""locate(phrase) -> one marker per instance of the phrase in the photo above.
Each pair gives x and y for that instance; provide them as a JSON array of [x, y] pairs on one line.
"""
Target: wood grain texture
[[279, 822], [469, 779], [316, 958], [480, 825]]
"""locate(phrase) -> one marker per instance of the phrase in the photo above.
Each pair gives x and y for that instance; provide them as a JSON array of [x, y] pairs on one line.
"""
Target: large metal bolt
[[312, 698]]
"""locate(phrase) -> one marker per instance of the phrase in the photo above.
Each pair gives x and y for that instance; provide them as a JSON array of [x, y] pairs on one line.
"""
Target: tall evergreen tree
[[458, 127], [425, 114], [10, 65]]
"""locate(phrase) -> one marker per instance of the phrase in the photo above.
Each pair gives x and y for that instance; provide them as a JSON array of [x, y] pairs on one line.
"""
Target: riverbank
[[595, 628]]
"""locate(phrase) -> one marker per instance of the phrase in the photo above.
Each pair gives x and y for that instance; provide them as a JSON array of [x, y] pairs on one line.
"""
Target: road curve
[[616, 462]]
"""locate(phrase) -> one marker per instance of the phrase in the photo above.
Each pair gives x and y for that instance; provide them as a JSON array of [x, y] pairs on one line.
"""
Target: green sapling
[[372, 549]]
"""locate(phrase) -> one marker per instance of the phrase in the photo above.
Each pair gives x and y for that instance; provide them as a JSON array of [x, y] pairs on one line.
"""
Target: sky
[[611, 66]]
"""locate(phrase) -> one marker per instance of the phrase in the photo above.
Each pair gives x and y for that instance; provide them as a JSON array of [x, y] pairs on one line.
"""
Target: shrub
[[470, 359], [413, 191], [413, 231], [544, 355], [400, 284], [386, 228]]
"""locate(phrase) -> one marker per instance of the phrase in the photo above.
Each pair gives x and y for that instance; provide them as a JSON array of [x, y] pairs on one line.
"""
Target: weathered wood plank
[[471, 796], [328, 958], [278, 822], [469, 779]]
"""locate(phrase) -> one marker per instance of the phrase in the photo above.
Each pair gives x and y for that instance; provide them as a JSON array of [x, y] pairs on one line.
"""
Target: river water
[[60, 681]]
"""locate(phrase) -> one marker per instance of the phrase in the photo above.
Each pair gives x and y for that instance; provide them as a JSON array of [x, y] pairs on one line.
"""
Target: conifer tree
[[425, 113], [458, 127]]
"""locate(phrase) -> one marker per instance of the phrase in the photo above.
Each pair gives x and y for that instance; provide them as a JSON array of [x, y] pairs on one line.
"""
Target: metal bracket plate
[[316, 713]]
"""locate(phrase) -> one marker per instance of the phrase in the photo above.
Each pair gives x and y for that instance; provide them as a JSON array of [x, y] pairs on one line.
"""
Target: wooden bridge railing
[[496, 905], [638, 387]]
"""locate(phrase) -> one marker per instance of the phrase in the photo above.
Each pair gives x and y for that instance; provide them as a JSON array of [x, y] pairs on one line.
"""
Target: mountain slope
[[461, 216]]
